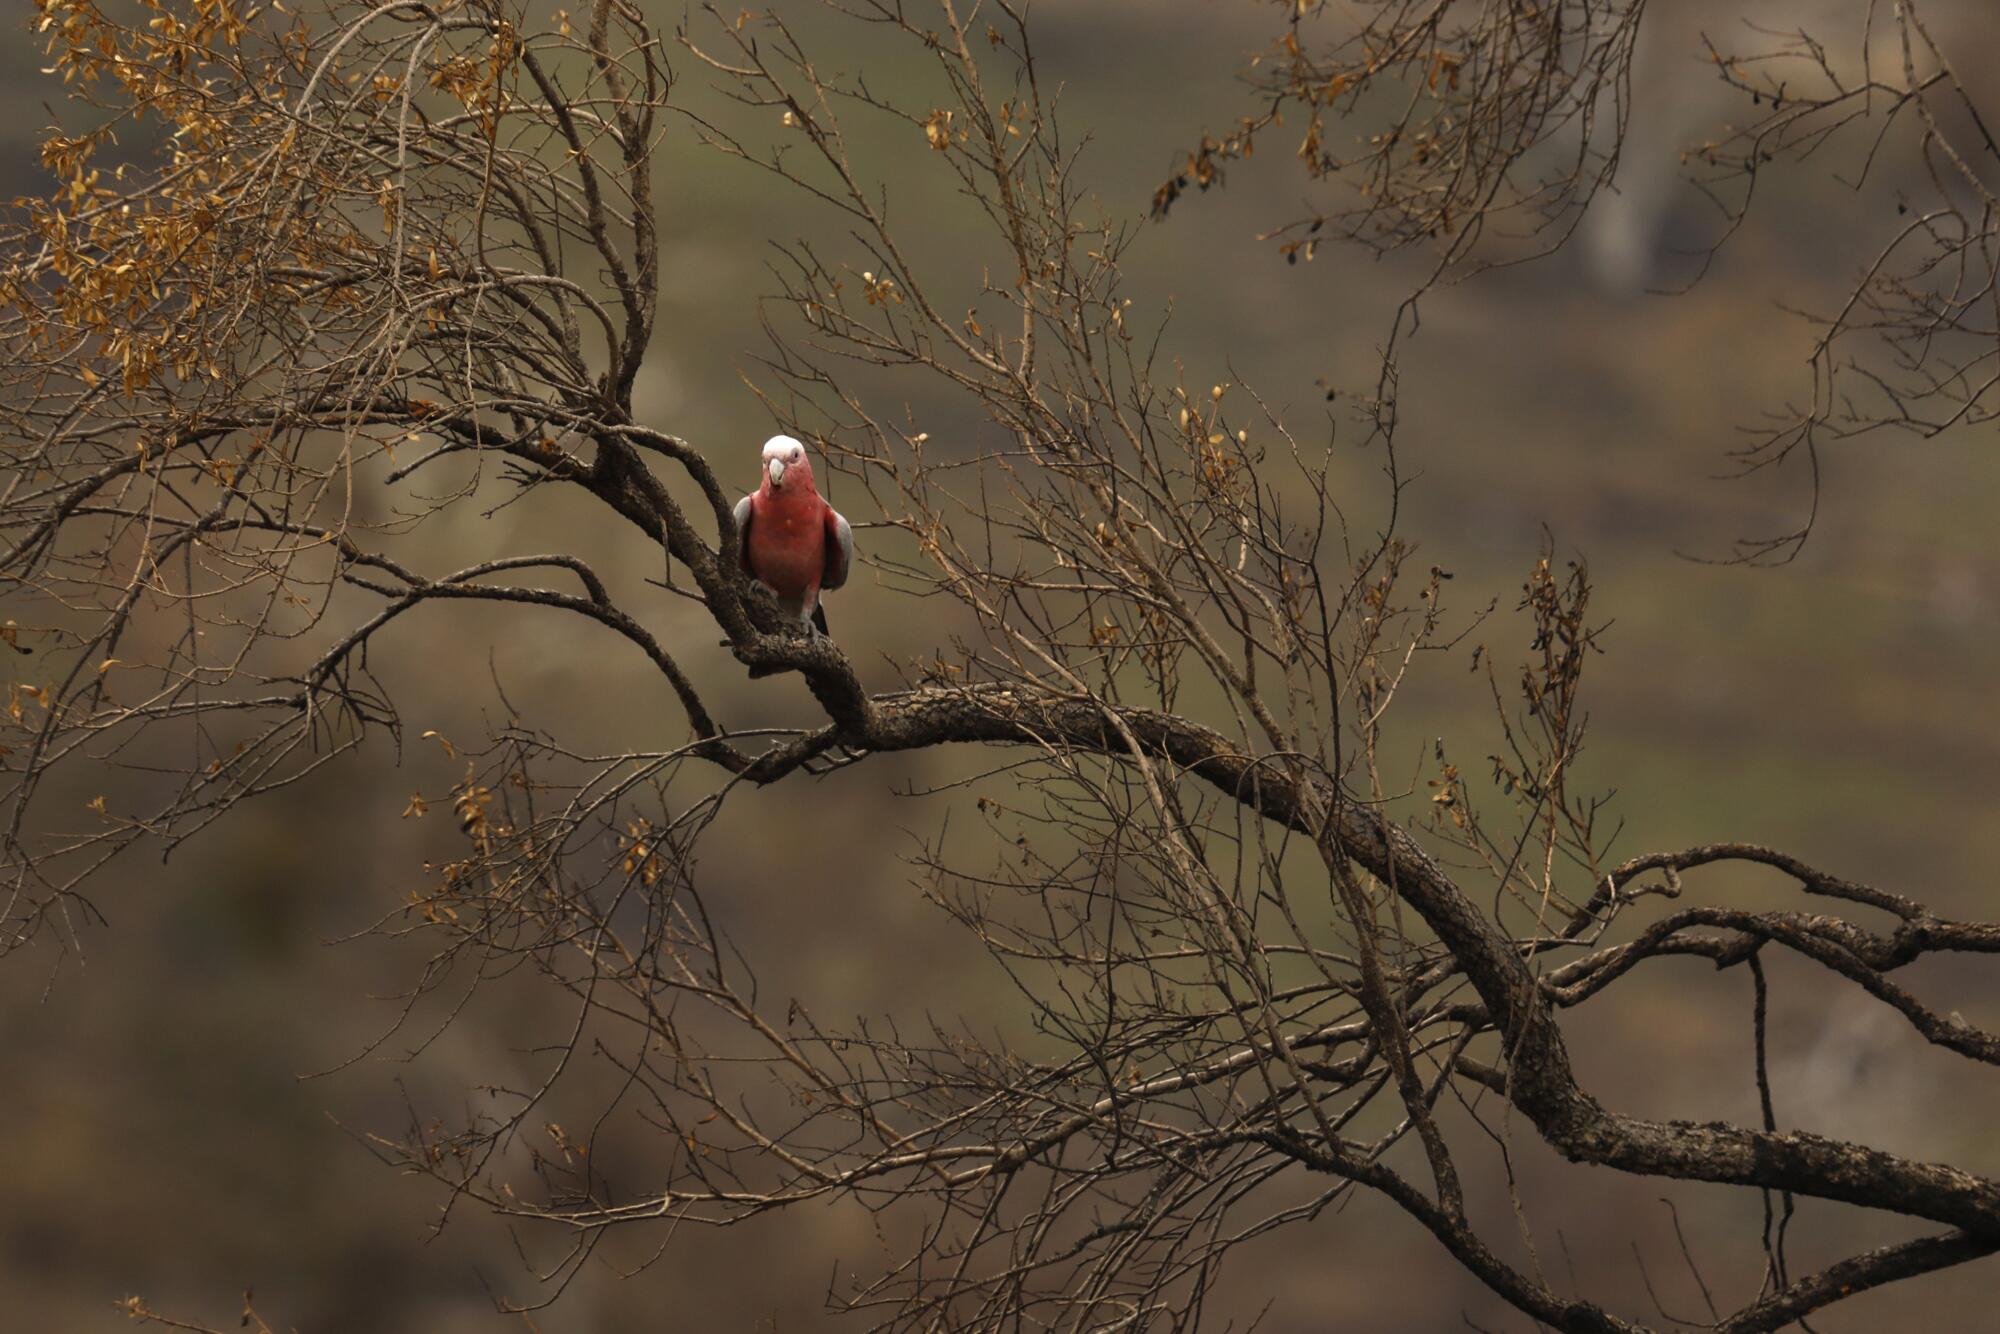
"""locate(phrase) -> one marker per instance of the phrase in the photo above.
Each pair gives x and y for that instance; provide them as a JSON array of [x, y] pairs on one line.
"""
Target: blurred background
[[163, 1137]]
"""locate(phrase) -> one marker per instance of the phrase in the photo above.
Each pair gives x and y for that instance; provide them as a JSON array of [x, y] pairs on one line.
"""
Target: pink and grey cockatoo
[[788, 538]]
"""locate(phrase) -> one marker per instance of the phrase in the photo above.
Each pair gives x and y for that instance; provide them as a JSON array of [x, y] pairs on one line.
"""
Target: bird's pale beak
[[777, 472]]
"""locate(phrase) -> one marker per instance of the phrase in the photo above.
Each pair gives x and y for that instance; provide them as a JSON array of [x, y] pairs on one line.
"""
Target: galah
[[789, 538]]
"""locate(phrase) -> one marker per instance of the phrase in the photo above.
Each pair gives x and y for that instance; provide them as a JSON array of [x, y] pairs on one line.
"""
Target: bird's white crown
[[785, 448]]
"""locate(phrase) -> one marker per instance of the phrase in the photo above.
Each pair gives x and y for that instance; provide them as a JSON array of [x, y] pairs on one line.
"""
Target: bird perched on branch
[[788, 537]]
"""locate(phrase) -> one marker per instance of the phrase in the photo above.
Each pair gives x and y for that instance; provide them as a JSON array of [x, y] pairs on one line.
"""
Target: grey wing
[[743, 532], [839, 552]]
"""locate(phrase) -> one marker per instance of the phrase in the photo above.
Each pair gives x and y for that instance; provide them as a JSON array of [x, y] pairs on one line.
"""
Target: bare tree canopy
[[321, 289]]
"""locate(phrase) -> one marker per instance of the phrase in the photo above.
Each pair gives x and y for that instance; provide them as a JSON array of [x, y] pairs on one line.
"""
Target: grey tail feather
[[819, 619]]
